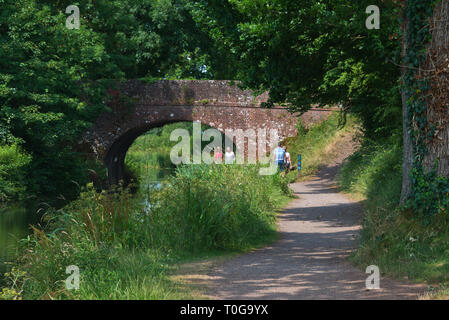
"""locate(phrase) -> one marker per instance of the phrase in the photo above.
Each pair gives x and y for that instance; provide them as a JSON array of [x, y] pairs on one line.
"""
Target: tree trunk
[[435, 69], [437, 99], [407, 161]]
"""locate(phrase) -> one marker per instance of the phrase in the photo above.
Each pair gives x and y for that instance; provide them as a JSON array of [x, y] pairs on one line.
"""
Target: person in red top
[[218, 155]]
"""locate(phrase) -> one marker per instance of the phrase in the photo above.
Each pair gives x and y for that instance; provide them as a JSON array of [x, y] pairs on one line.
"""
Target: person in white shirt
[[229, 156], [287, 159]]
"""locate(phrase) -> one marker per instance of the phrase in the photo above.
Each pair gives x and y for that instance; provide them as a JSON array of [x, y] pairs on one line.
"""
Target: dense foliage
[[320, 53], [12, 172], [305, 53], [123, 246], [50, 88]]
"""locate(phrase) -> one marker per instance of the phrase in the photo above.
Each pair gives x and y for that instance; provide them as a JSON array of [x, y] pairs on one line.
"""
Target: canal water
[[15, 224]]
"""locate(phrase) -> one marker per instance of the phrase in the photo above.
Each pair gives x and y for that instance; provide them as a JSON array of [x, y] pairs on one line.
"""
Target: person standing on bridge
[[279, 156]]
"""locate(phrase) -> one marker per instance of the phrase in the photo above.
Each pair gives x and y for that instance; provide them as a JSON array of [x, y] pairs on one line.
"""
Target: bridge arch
[[114, 159], [137, 107]]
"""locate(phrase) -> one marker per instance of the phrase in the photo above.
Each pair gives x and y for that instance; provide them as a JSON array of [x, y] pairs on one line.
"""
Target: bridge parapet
[[191, 93]]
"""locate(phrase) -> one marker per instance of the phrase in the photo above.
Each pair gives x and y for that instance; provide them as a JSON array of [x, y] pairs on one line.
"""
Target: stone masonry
[[137, 106]]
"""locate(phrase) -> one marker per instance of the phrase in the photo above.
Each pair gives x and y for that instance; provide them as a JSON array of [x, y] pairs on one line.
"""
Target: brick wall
[[138, 106]]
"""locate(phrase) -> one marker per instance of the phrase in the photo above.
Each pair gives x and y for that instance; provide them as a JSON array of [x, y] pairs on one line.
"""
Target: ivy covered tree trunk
[[407, 162], [425, 76], [436, 70]]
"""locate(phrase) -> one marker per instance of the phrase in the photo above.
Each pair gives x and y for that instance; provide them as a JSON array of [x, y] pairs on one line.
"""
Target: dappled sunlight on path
[[318, 232]]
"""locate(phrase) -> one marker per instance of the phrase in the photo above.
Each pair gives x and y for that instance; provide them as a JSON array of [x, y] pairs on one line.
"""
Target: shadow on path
[[318, 232]]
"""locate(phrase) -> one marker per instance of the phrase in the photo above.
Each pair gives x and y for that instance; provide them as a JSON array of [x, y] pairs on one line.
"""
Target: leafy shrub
[[430, 196], [13, 168]]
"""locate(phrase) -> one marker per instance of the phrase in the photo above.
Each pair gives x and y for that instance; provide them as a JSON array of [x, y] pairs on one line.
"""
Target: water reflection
[[14, 225]]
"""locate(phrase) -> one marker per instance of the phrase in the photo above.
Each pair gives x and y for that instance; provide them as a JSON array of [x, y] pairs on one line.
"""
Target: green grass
[[127, 251], [148, 159], [315, 144], [395, 239], [150, 153], [441, 293], [217, 207], [374, 172]]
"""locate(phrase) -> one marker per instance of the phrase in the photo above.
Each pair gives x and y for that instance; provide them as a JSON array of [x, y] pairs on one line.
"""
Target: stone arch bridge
[[138, 106]]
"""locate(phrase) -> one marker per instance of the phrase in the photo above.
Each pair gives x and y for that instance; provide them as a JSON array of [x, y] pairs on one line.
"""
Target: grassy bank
[[316, 144], [397, 240], [125, 250]]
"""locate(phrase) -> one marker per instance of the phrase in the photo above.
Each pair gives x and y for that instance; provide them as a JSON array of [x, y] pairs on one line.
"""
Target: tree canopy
[[51, 87], [320, 53], [304, 52]]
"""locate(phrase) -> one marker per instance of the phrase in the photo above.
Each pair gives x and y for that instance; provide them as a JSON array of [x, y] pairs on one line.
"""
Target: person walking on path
[[279, 155], [288, 160]]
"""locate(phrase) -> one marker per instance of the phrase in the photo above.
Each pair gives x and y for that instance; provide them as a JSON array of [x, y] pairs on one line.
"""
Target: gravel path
[[318, 231]]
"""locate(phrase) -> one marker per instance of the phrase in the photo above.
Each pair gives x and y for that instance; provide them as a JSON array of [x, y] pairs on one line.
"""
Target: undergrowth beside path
[[402, 243], [125, 250], [318, 143]]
